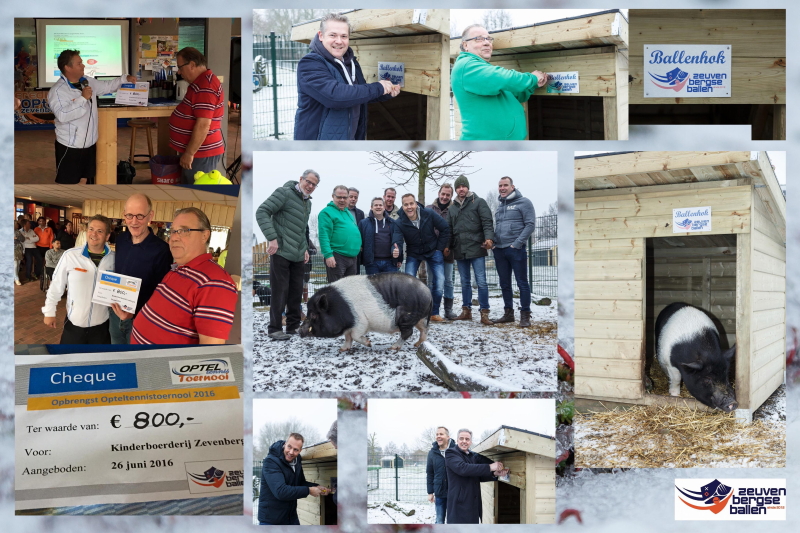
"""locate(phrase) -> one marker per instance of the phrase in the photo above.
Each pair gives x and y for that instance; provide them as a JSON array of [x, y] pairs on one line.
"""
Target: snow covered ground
[[503, 352], [410, 486], [424, 513]]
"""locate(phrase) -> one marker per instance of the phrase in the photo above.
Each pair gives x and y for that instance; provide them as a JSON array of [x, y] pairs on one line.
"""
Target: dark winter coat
[[281, 487], [436, 470], [471, 225], [367, 229], [326, 102], [284, 216], [67, 240], [443, 213], [465, 472], [514, 220], [423, 242]]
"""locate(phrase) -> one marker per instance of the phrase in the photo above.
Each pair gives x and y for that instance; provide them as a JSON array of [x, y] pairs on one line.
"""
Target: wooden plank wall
[[540, 507], [420, 53], [489, 501], [768, 302], [610, 228], [218, 214], [757, 37], [706, 278], [310, 509]]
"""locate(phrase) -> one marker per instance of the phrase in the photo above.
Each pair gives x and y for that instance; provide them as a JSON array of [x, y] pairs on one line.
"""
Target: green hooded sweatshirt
[[489, 99], [338, 232]]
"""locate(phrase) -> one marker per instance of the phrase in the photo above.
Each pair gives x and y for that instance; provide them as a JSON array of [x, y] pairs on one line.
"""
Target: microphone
[[84, 82]]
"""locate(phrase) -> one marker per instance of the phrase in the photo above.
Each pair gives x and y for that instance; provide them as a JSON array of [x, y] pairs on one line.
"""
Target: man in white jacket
[[78, 272], [73, 100]]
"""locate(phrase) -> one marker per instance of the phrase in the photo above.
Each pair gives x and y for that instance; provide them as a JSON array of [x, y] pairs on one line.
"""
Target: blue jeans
[[120, 329], [435, 264], [441, 506], [478, 264], [381, 265], [511, 259], [448, 280]]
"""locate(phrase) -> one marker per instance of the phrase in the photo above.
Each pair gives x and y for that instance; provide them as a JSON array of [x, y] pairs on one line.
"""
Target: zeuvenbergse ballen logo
[[730, 499]]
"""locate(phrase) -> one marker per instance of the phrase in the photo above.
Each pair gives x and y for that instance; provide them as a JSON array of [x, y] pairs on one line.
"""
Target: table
[[107, 158]]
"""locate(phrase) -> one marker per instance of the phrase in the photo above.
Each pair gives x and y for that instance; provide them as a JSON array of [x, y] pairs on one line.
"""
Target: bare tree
[[373, 449], [548, 228], [485, 435], [426, 438], [552, 209], [455, 32], [492, 201], [390, 449], [281, 20], [406, 168], [272, 432], [497, 19]]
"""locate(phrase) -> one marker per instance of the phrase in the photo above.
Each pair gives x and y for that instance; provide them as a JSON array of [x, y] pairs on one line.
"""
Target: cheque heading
[[60, 378]]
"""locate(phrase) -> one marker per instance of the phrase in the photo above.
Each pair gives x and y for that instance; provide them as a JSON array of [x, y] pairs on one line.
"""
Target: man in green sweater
[[490, 97], [339, 238]]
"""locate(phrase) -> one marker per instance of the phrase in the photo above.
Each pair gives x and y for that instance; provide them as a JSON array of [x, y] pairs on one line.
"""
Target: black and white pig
[[687, 347], [385, 303]]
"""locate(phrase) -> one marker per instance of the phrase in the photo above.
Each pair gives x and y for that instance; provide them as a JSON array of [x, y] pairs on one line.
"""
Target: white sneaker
[[17, 282]]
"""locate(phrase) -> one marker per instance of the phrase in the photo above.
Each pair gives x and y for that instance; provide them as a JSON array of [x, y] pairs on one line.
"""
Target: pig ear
[[323, 302], [730, 353], [697, 365]]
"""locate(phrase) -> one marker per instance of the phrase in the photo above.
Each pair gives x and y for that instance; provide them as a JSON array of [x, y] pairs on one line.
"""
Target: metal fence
[[542, 251], [275, 60], [397, 477]]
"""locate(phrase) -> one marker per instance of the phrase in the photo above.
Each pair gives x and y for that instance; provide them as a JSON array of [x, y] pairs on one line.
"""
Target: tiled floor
[[34, 152], [29, 325]]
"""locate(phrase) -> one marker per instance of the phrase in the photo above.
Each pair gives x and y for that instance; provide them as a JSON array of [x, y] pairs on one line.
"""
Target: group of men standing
[[454, 477], [456, 229]]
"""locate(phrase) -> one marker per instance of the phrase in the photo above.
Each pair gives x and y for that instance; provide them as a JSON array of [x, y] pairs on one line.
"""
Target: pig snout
[[724, 398], [305, 329]]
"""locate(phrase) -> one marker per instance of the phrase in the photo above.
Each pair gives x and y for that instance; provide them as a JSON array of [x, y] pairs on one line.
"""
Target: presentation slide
[[102, 45]]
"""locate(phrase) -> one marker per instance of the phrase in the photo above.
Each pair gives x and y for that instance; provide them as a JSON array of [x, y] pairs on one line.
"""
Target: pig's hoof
[[416, 344], [395, 348], [343, 349]]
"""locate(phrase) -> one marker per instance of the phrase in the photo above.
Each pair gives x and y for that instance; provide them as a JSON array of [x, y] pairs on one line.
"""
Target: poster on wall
[[687, 71]]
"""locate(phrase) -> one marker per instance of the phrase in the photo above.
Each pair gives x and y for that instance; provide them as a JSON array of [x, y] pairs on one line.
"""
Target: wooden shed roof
[[595, 29], [322, 452], [371, 23], [629, 170], [507, 439]]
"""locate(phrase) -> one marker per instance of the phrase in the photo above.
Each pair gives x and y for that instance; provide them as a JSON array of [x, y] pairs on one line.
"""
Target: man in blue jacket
[[283, 483], [332, 92], [417, 226], [376, 238], [437, 472]]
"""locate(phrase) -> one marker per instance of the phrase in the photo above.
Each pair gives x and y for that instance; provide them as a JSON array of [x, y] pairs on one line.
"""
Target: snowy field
[[526, 357], [378, 513], [411, 485]]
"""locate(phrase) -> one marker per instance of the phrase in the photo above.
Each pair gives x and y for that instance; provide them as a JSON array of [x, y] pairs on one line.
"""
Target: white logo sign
[[691, 219], [213, 370], [730, 499], [393, 72], [563, 82], [687, 71]]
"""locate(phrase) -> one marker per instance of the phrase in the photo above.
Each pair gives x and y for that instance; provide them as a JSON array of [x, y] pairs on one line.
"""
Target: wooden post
[[437, 126], [743, 311], [779, 122]]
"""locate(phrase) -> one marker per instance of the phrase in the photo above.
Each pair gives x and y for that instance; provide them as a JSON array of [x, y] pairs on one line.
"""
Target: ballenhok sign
[[687, 71], [392, 71], [563, 82]]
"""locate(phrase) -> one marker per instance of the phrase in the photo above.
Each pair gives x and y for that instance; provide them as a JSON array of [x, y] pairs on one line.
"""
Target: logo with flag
[[675, 79], [213, 477], [712, 497]]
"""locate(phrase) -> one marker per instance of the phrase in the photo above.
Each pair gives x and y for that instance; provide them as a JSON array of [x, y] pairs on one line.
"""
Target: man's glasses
[[480, 39], [181, 66], [183, 231], [314, 185], [131, 216]]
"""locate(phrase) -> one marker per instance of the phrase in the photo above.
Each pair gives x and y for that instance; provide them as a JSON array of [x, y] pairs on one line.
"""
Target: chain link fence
[[397, 477], [275, 60], [542, 252]]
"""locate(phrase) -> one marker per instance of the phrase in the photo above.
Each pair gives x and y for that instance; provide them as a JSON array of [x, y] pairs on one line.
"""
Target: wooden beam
[[437, 126], [372, 23], [319, 451], [771, 193], [518, 440], [779, 122], [643, 162], [744, 246]]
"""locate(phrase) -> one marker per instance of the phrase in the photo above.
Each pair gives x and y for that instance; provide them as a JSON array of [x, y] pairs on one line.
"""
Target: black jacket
[[465, 472], [436, 470], [423, 242], [281, 487], [367, 229]]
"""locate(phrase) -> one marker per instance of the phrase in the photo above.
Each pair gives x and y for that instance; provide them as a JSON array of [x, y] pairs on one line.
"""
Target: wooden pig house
[[754, 41], [529, 496], [596, 47], [319, 466], [417, 38], [630, 264]]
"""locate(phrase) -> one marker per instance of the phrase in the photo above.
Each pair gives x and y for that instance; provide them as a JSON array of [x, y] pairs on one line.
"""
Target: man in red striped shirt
[[195, 125], [195, 302]]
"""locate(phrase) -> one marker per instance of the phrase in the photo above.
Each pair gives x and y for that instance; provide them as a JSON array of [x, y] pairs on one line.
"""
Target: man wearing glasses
[[195, 125], [490, 97], [195, 302], [283, 219], [139, 254]]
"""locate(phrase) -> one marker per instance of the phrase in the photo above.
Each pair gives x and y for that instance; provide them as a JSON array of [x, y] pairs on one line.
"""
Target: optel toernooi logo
[[739, 499], [200, 370]]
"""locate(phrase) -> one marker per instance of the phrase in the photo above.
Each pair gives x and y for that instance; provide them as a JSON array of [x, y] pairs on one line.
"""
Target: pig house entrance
[[553, 118], [404, 117], [331, 517], [697, 270], [507, 504]]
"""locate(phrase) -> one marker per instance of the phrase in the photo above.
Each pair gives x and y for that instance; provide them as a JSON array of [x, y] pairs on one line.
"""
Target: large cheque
[[128, 427], [117, 288], [133, 93]]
